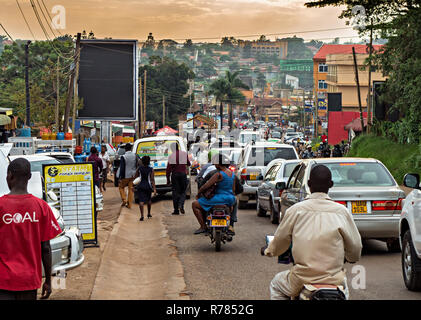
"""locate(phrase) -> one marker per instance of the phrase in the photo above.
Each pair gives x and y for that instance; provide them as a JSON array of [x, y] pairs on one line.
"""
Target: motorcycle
[[217, 221], [310, 291]]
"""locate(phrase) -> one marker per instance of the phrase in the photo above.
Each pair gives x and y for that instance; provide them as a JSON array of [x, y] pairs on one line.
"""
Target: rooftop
[[342, 49]]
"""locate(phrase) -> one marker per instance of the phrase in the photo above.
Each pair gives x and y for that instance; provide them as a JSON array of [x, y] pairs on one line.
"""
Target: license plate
[[219, 223], [160, 173], [359, 207], [253, 176]]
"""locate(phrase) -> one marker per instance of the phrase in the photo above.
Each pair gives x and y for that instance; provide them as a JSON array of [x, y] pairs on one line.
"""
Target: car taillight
[[280, 192], [341, 202], [243, 175], [232, 168], [383, 205]]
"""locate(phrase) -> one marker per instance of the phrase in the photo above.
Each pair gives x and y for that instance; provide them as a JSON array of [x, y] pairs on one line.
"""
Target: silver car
[[252, 166], [268, 196], [364, 186]]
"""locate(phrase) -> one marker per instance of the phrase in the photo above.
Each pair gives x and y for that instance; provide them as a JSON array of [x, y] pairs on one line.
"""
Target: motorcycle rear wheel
[[218, 240]]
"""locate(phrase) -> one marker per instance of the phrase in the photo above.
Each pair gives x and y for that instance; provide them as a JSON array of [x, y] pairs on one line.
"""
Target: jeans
[[179, 187]]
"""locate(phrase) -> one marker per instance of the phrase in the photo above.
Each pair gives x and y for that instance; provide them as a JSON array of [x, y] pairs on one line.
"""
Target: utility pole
[[221, 115], [163, 111], [57, 116], [76, 86], [70, 89], [28, 98], [369, 78], [358, 89], [144, 99], [140, 108]]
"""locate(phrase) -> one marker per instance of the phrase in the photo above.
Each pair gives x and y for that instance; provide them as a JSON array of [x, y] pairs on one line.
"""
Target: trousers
[[280, 288], [179, 187], [18, 295], [123, 183]]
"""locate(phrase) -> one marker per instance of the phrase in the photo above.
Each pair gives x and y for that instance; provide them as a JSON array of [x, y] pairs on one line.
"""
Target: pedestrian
[[146, 185], [27, 224], [125, 174], [97, 166], [104, 156], [177, 168]]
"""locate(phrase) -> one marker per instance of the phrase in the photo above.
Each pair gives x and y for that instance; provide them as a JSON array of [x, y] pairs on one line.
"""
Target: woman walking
[[146, 185]]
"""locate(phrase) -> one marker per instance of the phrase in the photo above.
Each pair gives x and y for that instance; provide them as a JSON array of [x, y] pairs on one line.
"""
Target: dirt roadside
[[80, 281]]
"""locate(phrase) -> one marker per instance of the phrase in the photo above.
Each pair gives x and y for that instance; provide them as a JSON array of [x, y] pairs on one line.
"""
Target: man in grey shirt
[[126, 173]]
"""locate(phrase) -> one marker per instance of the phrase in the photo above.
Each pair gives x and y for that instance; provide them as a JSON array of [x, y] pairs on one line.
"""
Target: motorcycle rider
[[308, 154], [324, 237]]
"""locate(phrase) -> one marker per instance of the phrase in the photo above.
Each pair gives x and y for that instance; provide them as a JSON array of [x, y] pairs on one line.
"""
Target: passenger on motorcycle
[[224, 191], [324, 236]]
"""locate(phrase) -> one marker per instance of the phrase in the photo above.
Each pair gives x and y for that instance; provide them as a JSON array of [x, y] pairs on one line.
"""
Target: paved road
[[239, 271]]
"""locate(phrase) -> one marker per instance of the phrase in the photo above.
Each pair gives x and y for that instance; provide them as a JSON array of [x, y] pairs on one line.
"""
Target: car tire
[[274, 216], [411, 264], [393, 246], [242, 204], [260, 212]]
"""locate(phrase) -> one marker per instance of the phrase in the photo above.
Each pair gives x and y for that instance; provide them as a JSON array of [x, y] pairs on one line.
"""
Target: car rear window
[[157, 150], [359, 174], [249, 137], [37, 165], [262, 156], [289, 168]]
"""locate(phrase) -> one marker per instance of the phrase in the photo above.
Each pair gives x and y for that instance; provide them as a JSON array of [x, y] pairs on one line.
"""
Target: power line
[[7, 33], [48, 13], [46, 20], [34, 8], [266, 34], [24, 18]]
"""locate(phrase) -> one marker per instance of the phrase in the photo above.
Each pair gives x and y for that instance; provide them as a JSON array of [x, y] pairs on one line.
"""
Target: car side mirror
[[281, 186], [412, 180]]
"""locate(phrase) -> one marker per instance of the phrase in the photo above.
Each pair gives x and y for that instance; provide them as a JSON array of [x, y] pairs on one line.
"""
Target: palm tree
[[218, 88], [233, 94]]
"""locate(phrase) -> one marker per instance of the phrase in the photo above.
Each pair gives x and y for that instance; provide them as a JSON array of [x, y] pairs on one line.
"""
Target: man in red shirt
[[177, 168], [27, 225], [324, 138]]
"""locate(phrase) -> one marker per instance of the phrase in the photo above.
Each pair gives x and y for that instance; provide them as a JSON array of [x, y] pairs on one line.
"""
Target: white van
[[158, 149]]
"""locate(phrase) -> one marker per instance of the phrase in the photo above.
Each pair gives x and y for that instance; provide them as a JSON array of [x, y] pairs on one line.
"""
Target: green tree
[[169, 80]]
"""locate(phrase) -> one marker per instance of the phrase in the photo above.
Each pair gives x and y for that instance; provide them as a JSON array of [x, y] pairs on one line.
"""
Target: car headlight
[[65, 253]]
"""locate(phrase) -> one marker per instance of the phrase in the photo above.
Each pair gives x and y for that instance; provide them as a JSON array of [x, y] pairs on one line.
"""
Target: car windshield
[[289, 167], [359, 174], [36, 166], [276, 134], [262, 156], [225, 144], [246, 138], [157, 150]]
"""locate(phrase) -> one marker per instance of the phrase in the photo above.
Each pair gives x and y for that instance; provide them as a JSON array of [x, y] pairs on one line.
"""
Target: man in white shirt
[[104, 156], [323, 235]]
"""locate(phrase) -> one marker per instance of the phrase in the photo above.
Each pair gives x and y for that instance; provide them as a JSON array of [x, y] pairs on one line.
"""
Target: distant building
[[341, 76], [278, 47], [300, 68], [292, 81]]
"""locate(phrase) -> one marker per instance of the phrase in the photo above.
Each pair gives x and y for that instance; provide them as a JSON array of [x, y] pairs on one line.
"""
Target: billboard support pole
[[140, 109], [75, 87]]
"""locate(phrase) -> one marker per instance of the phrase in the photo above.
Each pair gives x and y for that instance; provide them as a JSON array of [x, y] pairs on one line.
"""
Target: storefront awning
[[4, 120]]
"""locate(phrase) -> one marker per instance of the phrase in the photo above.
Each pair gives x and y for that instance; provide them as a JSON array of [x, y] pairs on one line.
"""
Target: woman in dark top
[[146, 186]]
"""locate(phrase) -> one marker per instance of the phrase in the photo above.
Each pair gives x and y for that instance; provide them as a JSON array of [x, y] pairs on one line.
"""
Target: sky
[[179, 19]]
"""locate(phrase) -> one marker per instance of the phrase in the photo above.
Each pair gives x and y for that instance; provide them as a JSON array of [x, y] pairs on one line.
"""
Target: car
[[252, 166], [247, 136], [276, 134], [364, 186], [67, 247], [291, 135], [158, 149], [268, 196], [63, 157], [39, 159], [410, 234]]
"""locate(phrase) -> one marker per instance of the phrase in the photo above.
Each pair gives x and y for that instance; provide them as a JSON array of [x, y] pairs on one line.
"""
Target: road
[[239, 272]]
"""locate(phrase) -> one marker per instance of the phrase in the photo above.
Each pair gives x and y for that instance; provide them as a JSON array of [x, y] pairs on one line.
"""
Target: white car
[[253, 163], [67, 247], [410, 234], [248, 136]]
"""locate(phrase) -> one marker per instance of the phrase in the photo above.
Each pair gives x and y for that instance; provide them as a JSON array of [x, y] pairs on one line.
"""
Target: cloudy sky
[[180, 19]]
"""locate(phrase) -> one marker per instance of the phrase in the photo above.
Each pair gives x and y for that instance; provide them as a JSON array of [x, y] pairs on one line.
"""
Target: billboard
[[108, 80]]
